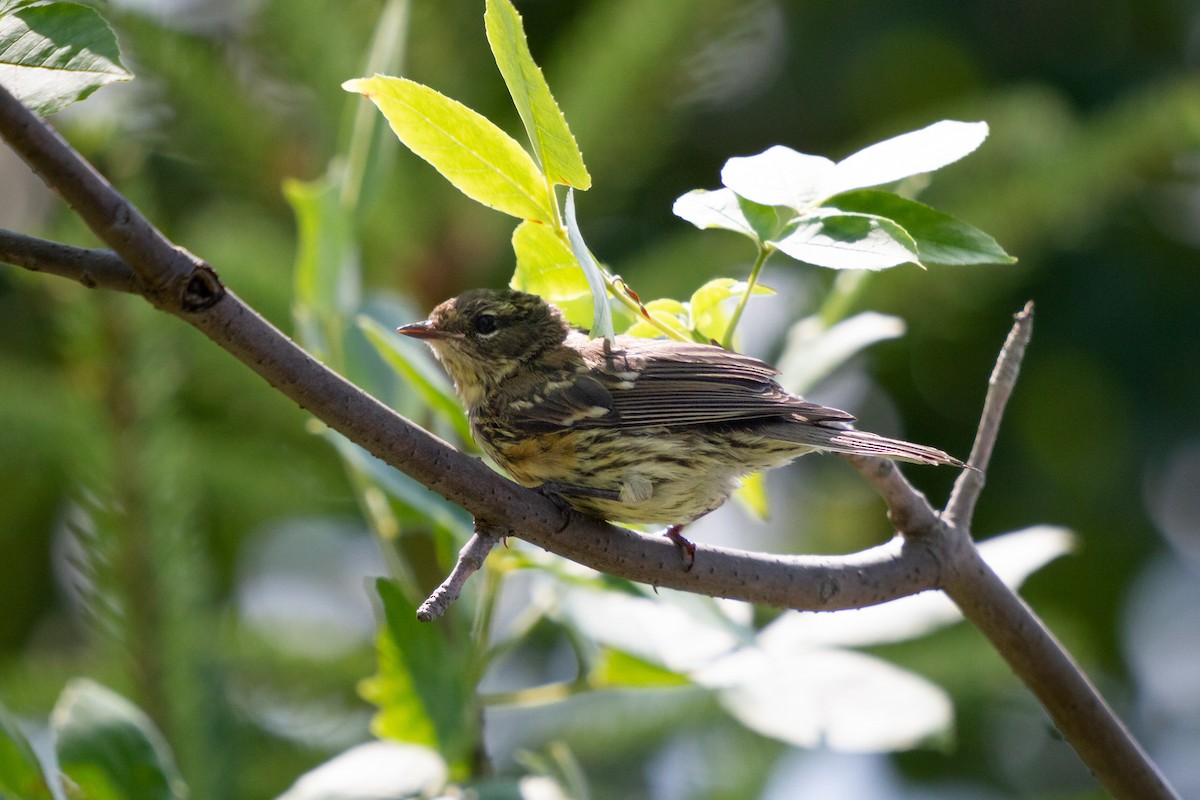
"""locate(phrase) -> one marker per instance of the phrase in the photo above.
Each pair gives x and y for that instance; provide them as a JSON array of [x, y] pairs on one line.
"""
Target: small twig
[[961, 506], [470, 560], [94, 268]]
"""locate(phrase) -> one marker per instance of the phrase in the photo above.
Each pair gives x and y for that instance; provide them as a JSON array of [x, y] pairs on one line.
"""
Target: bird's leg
[[557, 493], [686, 548], [560, 489]]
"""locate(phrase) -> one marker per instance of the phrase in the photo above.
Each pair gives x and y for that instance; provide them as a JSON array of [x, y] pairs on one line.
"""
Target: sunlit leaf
[[828, 238], [912, 153], [547, 267], [656, 631], [779, 176], [602, 324], [372, 771], [110, 748], [752, 496], [829, 698], [617, 668], [54, 55], [548, 132], [1014, 557], [712, 305], [940, 238], [670, 313], [482, 161], [713, 209]]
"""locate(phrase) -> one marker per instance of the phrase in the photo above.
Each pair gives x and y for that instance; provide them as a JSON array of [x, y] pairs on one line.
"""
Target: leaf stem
[[764, 252]]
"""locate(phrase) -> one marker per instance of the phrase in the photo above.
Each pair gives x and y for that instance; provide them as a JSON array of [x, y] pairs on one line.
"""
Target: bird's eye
[[486, 324]]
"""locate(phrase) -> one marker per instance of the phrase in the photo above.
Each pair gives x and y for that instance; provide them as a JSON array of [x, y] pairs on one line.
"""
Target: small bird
[[642, 431]]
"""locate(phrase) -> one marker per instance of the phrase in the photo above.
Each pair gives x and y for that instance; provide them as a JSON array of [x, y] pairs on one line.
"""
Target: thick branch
[[820, 583], [1077, 708]]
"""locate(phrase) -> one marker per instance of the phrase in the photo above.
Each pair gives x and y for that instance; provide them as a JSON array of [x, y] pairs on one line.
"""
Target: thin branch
[[961, 506], [94, 268], [470, 560]]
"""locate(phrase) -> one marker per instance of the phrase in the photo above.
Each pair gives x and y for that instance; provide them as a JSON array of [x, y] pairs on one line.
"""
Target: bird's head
[[483, 335]]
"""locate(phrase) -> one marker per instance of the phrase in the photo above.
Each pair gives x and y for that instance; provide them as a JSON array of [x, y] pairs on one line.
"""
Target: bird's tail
[[848, 440]]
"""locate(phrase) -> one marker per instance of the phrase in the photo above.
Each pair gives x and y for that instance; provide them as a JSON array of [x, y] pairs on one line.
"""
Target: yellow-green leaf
[[752, 496], [548, 132], [547, 267], [482, 161], [713, 305], [617, 668], [671, 313]]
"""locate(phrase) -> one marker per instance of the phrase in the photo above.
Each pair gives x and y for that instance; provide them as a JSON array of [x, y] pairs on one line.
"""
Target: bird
[[631, 430]]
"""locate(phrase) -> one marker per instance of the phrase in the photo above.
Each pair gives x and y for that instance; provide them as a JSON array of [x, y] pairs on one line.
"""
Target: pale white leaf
[[373, 771], [779, 176], [713, 209], [1014, 556], [912, 153], [813, 351], [829, 698]]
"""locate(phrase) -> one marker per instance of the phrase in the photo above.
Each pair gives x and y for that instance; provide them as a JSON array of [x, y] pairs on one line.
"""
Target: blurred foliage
[[173, 529]]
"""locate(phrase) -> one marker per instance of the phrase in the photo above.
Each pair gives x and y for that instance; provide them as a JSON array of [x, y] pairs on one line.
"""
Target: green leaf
[[616, 668], [752, 496], [9, 6], [420, 688], [712, 305], [110, 748], [547, 267], [940, 238], [912, 153], [829, 238], [602, 324], [779, 176], [671, 313], [57, 54], [430, 384], [548, 132], [326, 279], [21, 774], [482, 161]]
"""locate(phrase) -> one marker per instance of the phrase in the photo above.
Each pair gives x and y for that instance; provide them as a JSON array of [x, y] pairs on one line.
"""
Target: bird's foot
[[686, 549]]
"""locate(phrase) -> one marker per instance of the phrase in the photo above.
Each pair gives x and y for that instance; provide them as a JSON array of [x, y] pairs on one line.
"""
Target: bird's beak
[[421, 330]]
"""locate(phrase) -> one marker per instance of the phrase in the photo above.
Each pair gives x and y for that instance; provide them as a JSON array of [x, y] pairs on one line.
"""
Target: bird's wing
[[653, 382]]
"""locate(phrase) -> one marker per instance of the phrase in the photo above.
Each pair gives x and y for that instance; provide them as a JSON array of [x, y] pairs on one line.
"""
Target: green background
[[1089, 177]]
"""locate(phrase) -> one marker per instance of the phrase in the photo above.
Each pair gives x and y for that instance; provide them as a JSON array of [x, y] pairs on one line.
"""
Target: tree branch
[[930, 553], [95, 269]]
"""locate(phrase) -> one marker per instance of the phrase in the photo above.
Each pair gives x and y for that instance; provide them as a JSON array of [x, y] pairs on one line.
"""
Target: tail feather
[[848, 440]]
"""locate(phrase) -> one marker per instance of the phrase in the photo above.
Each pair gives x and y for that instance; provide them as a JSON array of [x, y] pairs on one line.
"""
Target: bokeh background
[[242, 544]]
